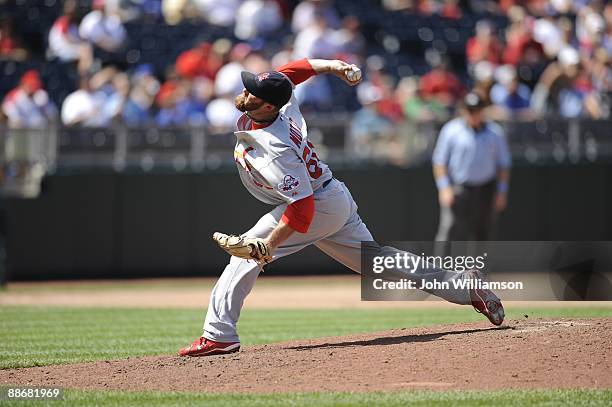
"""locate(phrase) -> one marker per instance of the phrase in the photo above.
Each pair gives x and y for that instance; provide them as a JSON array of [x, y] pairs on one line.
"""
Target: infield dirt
[[540, 353]]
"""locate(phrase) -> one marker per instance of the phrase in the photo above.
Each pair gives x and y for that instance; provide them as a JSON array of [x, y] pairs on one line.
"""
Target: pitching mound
[[524, 354]]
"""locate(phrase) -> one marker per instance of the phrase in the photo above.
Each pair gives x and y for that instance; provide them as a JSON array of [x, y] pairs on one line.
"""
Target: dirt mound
[[523, 354]]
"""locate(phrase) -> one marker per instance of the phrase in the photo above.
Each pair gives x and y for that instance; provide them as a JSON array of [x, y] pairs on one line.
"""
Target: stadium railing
[[27, 154]]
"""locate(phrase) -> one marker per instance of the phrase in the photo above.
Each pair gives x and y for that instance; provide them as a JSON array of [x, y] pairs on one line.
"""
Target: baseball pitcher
[[279, 165]]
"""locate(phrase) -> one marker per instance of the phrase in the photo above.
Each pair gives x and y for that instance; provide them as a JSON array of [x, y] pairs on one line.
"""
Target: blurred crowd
[[550, 58]]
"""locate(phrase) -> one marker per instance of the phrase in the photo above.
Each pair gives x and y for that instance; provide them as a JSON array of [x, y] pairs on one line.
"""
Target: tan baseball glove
[[252, 248]]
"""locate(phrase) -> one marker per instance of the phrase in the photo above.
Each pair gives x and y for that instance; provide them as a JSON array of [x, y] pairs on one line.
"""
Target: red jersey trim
[[298, 71]]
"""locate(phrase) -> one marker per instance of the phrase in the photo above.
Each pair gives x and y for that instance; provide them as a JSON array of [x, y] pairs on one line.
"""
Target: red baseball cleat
[[206, 347], [486, 302]]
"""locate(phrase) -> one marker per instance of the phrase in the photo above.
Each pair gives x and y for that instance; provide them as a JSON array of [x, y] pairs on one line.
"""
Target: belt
[[487, 184]]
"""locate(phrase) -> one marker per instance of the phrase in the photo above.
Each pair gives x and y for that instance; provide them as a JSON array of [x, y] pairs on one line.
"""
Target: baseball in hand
[[354, 74]]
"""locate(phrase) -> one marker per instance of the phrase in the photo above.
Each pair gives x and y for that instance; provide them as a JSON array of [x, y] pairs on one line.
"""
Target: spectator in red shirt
[[451, 10], [522, 50], [520, 44], [10, 45], [484, 46], [201, 60], [441, 84], [28, 105], [387, 106], [446, 8]]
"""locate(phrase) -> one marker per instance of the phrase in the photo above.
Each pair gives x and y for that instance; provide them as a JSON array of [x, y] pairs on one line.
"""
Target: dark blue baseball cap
[[273, 87]]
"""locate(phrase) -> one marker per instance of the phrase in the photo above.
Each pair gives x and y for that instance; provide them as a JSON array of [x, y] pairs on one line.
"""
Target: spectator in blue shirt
[[508, 95], [138, 109], [471, 164]]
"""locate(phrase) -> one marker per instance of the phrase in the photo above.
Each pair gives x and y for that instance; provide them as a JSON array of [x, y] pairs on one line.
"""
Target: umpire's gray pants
[[471, 216]]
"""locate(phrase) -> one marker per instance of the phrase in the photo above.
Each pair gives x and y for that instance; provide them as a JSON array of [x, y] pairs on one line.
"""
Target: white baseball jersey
[[277, 164]]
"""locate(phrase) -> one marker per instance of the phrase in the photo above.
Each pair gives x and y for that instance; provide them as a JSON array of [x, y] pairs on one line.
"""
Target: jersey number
[[309, 156], [312, 161]]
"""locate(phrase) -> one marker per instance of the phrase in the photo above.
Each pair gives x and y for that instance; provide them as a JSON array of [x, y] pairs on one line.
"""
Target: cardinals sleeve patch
[[289, 183]]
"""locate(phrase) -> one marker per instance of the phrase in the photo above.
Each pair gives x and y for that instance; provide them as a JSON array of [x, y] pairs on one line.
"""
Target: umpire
[[471, 165]]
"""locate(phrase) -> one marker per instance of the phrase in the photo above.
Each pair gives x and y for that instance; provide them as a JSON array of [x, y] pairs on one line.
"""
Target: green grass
[[31, 336], [416, 398], [36, 336]]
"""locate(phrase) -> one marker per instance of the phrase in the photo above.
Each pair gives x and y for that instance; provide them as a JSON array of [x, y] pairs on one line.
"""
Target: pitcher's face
[[246, 102]]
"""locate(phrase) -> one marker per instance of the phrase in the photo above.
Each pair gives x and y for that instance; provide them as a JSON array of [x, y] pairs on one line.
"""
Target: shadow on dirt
[[395, 340]]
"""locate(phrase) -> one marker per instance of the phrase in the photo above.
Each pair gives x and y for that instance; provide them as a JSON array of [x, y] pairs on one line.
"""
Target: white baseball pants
[[336, 230]]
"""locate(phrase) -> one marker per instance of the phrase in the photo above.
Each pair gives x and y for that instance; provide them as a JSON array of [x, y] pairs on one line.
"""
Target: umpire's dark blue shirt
[[471, 157]]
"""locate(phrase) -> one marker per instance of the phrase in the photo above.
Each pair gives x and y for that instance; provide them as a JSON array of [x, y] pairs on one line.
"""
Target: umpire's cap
[[273, 87], [473, 101]]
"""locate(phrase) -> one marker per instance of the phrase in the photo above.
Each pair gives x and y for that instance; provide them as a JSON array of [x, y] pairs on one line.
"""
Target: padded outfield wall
[[107, 225]]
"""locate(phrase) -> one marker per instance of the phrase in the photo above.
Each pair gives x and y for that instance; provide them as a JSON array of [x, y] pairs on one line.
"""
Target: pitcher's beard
[[241, 104]]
